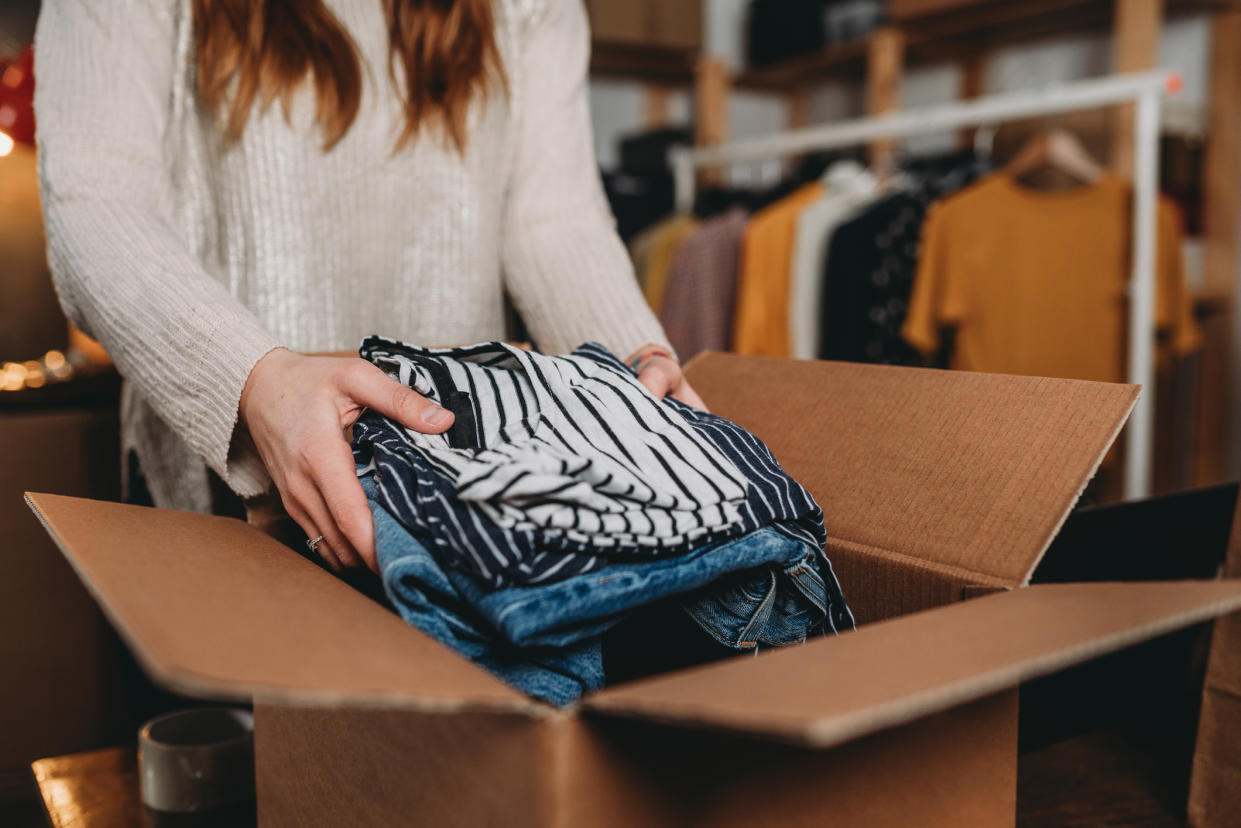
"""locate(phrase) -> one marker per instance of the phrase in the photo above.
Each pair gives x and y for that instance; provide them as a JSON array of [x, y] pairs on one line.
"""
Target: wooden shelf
[[966, 32], [983, 25], [653, 64], [845, 59], [957, 33]]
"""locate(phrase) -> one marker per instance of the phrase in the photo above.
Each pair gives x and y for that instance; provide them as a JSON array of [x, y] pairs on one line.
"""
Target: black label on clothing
[[464, 432]]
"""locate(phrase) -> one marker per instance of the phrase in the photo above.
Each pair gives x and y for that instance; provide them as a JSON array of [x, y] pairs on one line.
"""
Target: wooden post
[[798, 105], [655, 105], [1135, 30], [1221, 169], [1221, 188], [797, 115], [973, 82], [885, 55], [711, 90]]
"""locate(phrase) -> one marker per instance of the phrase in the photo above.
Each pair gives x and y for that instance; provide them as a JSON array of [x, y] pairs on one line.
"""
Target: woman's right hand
[[297, 409]]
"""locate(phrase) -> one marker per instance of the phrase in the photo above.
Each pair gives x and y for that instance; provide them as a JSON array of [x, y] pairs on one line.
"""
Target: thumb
[[660, 375], [374, 389]]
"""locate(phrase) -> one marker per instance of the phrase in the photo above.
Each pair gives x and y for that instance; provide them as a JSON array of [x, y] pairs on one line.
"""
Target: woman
[[231, 184]]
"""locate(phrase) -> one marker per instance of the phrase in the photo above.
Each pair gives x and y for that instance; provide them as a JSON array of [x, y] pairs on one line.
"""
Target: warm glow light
[[13, 377], [6, 145], [34, 374]]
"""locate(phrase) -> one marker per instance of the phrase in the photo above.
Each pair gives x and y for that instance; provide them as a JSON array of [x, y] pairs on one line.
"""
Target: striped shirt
[[557, 464]]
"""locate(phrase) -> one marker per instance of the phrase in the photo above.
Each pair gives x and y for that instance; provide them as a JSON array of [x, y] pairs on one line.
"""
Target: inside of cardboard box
[[1116, 735], [932, 483]]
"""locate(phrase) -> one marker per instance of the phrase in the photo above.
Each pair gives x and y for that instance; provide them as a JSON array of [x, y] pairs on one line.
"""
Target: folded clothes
[[551, 462], [420, 590], [499, 539], [547, 639]]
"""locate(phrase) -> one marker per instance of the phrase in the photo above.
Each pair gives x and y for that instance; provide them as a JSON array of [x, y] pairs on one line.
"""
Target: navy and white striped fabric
[[557, 465]]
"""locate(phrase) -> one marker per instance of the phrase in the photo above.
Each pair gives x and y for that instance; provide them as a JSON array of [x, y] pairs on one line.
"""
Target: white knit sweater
[[189, 259]]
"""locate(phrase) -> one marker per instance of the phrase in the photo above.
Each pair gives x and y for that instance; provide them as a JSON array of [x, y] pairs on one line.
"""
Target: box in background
[[673, 25], [61, 692]]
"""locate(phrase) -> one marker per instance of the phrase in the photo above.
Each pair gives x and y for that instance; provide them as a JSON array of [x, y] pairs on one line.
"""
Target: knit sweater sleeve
[[565, 267], [123, 272]]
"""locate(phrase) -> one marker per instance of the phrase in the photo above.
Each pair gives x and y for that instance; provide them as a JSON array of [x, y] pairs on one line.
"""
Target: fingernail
[[436, 416]]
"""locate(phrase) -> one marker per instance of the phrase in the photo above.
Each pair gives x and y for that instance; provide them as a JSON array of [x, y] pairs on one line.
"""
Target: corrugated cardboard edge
[[186, 681], [1094, 470], [1215, 777], [901, 711]]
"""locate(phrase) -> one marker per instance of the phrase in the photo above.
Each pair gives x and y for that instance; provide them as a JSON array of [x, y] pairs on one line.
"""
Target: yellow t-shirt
[[761, 324], [1034, 282]]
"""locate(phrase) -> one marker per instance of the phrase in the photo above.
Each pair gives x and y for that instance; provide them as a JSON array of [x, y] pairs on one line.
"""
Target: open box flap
[[831, 690], [975, 472], [214, 608]]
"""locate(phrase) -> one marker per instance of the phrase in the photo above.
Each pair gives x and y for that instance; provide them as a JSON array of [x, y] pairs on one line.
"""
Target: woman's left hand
[[662, 376]]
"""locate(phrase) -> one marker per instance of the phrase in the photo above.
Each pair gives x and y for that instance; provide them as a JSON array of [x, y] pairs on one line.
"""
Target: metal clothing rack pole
[[1145, 88]]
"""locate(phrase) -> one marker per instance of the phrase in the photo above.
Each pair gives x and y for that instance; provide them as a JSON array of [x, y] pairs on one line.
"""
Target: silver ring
[[313, 544]]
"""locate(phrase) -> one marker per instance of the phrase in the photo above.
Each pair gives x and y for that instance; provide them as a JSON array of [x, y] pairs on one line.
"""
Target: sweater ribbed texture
[[190, 259]]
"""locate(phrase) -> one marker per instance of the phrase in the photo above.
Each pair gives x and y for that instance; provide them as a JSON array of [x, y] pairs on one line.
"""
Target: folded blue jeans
[[423, 595], [763, 588]]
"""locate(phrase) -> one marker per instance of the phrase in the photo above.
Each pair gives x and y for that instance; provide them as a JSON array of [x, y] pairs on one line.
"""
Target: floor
[[1111, 778]]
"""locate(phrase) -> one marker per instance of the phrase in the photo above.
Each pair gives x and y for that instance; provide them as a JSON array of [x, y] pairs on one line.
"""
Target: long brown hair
[[263, 49]]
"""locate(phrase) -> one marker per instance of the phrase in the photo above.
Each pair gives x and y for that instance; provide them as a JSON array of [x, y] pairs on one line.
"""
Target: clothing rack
[[1145, 89]]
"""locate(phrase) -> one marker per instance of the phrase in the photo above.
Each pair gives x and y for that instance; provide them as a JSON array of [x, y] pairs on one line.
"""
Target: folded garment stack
[[566, 499]]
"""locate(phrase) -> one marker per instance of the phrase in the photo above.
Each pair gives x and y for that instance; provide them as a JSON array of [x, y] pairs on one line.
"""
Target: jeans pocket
[[799, 605], [734, 610], [806, 578]]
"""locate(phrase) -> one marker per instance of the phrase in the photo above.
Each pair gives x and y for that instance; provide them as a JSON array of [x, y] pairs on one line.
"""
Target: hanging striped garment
[[557, 465]]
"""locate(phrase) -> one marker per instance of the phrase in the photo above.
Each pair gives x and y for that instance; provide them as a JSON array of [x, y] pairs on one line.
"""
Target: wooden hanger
[[1059, 149]]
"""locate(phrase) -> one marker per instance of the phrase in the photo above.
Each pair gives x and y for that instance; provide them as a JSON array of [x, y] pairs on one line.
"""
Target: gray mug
[[197, 760]]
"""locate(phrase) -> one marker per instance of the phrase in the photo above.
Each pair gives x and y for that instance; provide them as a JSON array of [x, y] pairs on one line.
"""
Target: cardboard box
[[1215, 785], [936, 485], [676, 25], [614, 22], [61, 692]]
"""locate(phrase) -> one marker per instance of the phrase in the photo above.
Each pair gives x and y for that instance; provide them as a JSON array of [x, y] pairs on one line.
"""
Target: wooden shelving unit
[[663, 65], [964, 32], [842, 60]]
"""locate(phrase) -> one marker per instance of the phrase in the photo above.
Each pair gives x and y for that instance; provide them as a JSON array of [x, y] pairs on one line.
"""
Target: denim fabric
[[772, 606], [425, 597], [564, 612], [763, 588]]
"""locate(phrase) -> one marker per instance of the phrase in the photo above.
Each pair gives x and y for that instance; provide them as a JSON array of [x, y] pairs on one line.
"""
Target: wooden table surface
[[99, 789]]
